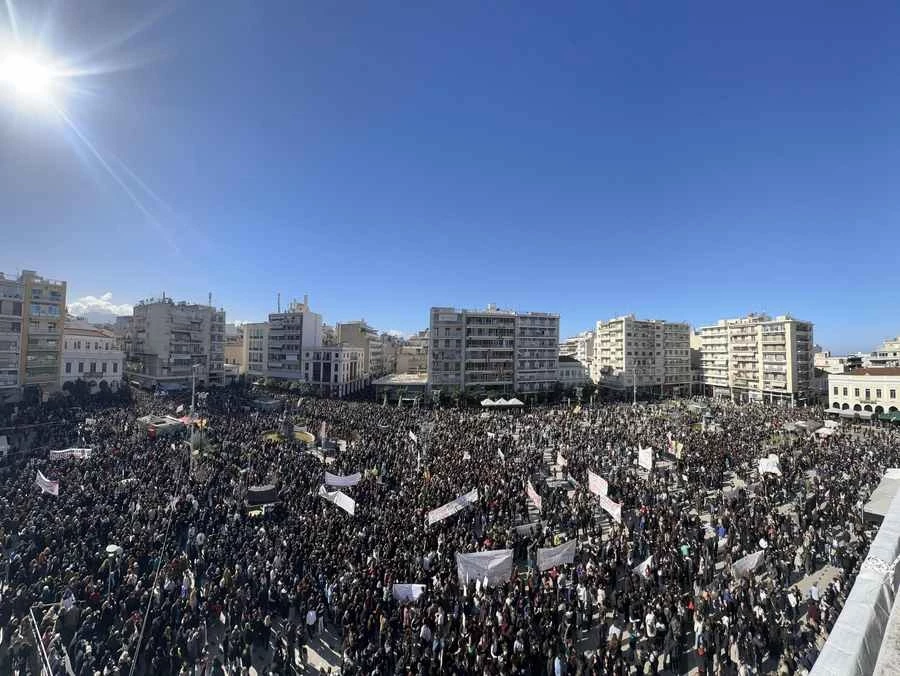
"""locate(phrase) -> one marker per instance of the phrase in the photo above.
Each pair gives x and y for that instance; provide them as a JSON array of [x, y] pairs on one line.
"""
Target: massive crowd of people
[[151, 562]]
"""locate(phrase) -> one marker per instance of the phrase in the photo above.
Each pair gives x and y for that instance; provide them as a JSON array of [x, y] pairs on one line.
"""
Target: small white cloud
[[396, 333], [101, 305]]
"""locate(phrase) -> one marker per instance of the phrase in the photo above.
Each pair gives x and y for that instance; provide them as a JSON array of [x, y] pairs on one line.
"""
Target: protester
[[152, 557]]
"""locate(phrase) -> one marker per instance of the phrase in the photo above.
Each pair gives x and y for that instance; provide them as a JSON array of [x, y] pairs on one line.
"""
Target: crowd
[[151, 562]]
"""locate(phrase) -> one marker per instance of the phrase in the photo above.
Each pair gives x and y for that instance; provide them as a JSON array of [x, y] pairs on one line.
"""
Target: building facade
[[412, 358], [492, 350], [91, 354], [757, 358], [868, 390], [887, 354], [361, 335], [334, 370], [32, 315], [652, 356], [572, 373], [288, 334], [580, 347], [170, 339]]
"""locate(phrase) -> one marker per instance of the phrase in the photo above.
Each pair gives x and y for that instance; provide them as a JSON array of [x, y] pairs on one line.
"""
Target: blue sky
[[687, 161]]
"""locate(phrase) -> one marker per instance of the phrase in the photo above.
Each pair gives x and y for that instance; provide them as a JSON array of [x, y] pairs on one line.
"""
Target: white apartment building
[[492, 350], [289, 333], [572, 373], [757, 358], [887, 354], [580, 347], [170, 338], [92, 355], [866, 391], [830, 364], [334, 370], [652, 355], [254, 349], [11, 300]]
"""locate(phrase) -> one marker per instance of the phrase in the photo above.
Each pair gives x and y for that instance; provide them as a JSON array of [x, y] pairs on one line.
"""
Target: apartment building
[[492, 350], [91, 354], [412, 358], [288, 334], [571, 373], [887, 354], [865, 391], [334, 370], [170, 339], [580, 347], [360, 334], [652, 356], [32, 314], [758, 358]]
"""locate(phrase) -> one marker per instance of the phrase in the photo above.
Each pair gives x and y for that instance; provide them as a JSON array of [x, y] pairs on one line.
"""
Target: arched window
[[857, 407]]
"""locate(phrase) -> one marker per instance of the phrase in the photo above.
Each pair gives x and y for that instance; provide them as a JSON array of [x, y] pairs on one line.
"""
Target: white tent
[[501, 402], [488, 402], [514, 402]]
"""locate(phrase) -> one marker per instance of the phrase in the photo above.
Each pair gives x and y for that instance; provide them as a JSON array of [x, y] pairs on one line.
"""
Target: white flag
[[452, 507], [770, 465], [645, 458], [745, 566], [500, 453], [643, 567], [338, 480], [179, 409], [597, 484], [533, 494], [51, 487], [413, 437], [550, 557], [342, 500], [614, 509], [560, 460]]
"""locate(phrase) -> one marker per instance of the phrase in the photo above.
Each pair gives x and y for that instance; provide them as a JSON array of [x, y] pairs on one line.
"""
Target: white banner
[[500, 453], [342, 500], [597, 484], [495, 565], [413, 437], [408, 592], [644, 566], [614, 509], [452, 507], [179, 409], [550, 557], [745, 566], [645, 458], [561, 461], [770, 465], [79, 453], [338, 480], [51, 487], [533, 494]]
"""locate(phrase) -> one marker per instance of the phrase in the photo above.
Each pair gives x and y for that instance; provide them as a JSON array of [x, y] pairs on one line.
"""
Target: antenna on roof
[[279, 301], [210, 298]]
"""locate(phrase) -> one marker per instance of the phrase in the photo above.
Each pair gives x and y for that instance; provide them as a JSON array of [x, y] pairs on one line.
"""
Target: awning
[[892, 416], [864, 415]]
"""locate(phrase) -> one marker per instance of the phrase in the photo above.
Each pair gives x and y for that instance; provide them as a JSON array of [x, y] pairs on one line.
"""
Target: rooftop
[[566, 359], [875, 371]]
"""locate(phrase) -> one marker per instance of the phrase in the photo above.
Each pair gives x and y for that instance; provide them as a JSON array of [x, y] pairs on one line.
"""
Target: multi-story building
[[288, 334], [91, 354], [233, 350], [826, 362], [757, 358], [413, 357], [361, 335], [886, 354], [650, 356], [580, 347], [865, 390], [255, 349], [32, 314], [170, 339], [334, 370], [571, 373], [492, 350]]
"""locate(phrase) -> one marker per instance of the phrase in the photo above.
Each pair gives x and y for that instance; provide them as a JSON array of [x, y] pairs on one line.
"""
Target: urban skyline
[[681, 164]]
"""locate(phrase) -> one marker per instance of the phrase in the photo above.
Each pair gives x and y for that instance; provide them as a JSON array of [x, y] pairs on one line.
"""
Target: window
[[845, 391], [868, 393], [51, 326], [68, 367], [96, 345], [81, 367], [835, 389], [893, 394], [103, 367], [66, 345], [93, 367], [855, 391], [115, 367], [878, 394]]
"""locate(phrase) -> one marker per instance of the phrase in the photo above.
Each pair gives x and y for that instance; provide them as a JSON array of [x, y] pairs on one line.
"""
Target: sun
[[27, 76]]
